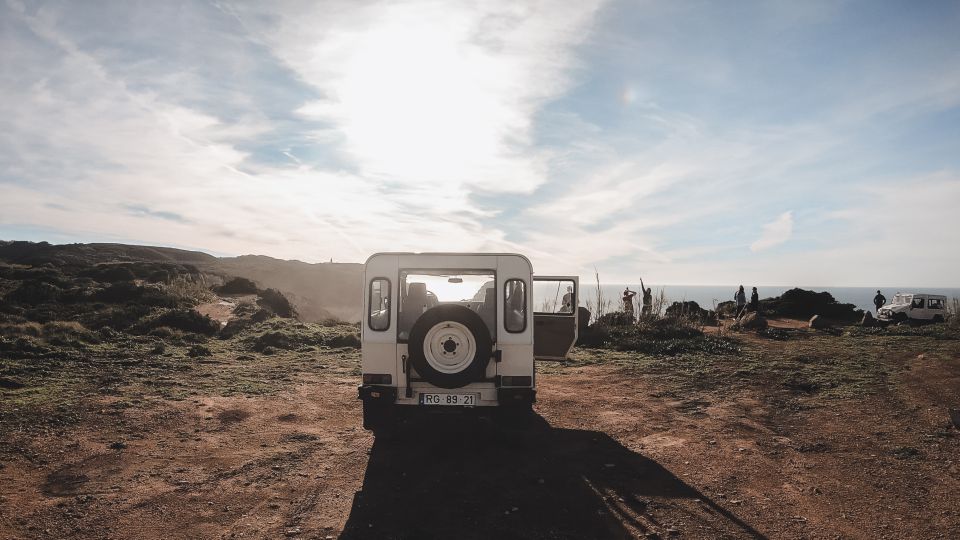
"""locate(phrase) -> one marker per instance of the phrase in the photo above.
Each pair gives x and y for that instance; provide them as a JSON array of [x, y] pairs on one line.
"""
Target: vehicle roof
[[926, 295], [449, 254]]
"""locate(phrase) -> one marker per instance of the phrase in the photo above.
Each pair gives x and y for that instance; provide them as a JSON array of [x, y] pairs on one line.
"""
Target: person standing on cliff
[[628, 301], [647, 299], [755, 301], [879, 300], [741, 299]]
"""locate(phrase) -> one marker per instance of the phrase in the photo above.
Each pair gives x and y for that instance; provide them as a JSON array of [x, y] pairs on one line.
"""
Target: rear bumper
[[376, 393], [516, 396]]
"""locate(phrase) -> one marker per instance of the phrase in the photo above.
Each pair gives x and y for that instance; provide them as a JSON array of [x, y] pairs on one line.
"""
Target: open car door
[[555, 301]]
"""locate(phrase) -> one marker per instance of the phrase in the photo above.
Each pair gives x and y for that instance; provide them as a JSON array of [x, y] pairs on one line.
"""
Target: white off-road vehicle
[[914, 307], [460, 330]]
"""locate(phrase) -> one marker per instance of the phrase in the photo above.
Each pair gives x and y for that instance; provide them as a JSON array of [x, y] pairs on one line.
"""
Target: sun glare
[[418, 100]]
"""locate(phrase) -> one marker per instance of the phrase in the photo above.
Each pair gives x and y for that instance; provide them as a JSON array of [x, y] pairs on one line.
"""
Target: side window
[[935, 303], [918, 303], [554, 297], [515, 306], [379, 316]]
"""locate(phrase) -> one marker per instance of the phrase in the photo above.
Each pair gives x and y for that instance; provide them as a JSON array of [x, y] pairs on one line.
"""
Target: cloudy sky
[[770, 142]]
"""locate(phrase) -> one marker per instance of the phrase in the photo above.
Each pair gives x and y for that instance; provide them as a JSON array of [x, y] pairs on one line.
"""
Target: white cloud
[[363, 126], [430, 104], [774, 233], [435, 93]]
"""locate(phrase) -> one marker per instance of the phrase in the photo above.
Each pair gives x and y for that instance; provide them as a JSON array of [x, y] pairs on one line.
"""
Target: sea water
[[707, 296]]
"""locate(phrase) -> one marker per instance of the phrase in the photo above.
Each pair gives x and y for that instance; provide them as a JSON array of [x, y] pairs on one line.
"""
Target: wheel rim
[[449, 347]]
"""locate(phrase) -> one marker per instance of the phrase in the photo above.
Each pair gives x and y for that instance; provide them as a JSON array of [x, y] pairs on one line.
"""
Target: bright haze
[[682, 142]]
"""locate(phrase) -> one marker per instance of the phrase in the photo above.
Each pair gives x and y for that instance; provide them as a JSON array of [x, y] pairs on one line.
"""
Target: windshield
[[902, 299]]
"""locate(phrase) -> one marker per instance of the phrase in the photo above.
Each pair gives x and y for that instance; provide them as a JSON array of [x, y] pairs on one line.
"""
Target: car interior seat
[[488, 309], [414, 304]]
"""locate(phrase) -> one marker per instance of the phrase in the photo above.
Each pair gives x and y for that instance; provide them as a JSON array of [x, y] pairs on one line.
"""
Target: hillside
[[319, 291]]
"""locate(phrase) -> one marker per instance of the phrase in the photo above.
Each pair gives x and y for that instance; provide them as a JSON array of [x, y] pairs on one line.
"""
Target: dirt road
[[618, 458]]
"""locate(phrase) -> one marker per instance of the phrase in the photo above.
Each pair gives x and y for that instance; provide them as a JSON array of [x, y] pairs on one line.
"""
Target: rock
[[868, 321], [118, 445], [818, 323], [955, 417], [688, 309], [751, 321]]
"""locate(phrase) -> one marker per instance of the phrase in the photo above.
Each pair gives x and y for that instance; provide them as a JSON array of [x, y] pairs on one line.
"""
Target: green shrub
[[344, 340], [198, 350], [688, 310], [110, 273], [159, 276], [33, 293], [63, 332], [164, 332], [276, 302], [186, 320], [615, 318], [128, 292], [115, 317], [31, 329], [188, 293], [803, 304], [238, 285], [275, 340]]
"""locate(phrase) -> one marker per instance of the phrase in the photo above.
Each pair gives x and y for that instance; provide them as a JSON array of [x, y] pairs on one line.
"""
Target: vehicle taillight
[[377, 378]]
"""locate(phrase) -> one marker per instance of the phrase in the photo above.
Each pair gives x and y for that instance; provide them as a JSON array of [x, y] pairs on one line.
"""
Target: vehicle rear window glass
[[515, 306], [421, 290], [554, 296], [378, 317], [935, 303]]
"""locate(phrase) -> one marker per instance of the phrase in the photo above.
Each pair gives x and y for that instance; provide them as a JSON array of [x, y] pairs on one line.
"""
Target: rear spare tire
[[450, 346]]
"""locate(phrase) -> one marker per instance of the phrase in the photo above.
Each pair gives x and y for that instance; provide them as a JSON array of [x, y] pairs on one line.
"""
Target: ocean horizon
[[707, 296]]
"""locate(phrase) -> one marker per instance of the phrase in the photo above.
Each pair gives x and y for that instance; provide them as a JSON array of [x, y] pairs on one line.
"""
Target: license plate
[[463, 400]]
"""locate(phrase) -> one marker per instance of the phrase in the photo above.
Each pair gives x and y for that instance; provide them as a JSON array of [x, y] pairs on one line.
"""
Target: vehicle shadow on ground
[[465, 478]]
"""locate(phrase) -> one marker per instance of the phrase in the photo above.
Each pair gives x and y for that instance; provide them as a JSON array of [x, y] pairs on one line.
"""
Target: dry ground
[[790, 439]]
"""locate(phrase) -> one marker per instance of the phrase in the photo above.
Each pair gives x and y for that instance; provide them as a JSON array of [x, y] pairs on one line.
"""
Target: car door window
[[515, 306], [378, 317]]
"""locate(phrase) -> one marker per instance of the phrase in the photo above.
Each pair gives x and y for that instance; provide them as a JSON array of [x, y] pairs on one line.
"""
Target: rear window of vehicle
[[515, 306], [378, 317]]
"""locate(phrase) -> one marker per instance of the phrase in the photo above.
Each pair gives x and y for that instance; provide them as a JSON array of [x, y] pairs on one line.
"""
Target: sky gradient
[[772, 143]]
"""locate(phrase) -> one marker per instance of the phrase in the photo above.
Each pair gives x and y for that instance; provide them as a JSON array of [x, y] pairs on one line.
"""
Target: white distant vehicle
[[914, 307], [445, 330]]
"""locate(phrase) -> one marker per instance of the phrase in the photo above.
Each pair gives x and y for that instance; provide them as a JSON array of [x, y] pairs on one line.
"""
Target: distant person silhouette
[[647, 299], [754, 301], [628, 301], [567, 306], [879, 300], [741, 298]]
